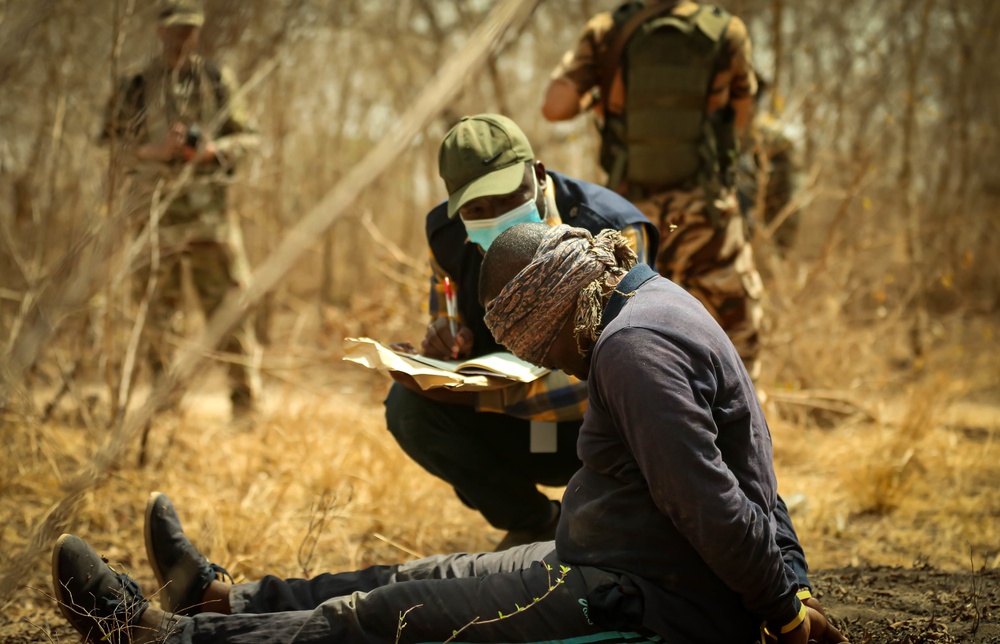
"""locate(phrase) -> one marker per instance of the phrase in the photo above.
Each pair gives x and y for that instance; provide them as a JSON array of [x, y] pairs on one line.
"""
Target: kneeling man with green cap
[[496, 447]]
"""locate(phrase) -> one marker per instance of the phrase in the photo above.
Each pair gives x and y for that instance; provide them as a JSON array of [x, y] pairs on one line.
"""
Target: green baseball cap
[[176, 13], [482, 156]]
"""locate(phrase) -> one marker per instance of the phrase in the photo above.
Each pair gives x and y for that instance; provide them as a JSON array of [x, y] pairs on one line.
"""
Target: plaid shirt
[[556, 396]]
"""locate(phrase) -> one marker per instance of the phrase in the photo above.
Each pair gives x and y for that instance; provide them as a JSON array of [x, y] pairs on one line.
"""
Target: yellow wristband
[[792, 625], [804, 594]]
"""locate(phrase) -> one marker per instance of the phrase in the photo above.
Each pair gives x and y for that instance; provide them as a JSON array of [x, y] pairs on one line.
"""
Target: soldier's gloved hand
[[439, 342], [170, 148], [200, 147]]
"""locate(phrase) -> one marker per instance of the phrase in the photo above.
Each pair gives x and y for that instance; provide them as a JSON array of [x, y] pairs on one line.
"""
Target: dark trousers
[[486, 457], [421, 601]]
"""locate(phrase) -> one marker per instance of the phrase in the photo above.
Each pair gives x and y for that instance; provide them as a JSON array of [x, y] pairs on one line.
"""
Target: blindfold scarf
[[570, 270]]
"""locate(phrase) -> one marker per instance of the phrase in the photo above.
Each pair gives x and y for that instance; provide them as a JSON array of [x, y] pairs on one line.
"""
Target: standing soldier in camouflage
[[180, 110], [770, 180], [672, 86]]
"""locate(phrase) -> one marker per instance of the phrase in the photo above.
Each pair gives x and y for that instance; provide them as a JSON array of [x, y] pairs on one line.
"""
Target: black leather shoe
[[102, 605], [182, 572]]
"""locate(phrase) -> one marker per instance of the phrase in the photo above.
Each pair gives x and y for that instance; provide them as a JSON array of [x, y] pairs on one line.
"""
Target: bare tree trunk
[[962, 118], [123, 11], [911, 212], [778, 13], [269, 227], [810, 104], [498, 87], [328, 260]]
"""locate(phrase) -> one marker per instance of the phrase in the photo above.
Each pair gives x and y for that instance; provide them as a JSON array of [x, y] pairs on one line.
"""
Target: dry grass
[[903, 468], [319, 485], [918, 482], [889, 457]]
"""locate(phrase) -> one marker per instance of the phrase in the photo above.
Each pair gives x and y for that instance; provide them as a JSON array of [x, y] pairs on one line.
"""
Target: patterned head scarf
[[570, 270]]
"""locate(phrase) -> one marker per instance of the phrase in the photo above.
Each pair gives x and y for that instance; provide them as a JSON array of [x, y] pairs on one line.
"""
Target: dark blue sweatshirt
[[677, 488]]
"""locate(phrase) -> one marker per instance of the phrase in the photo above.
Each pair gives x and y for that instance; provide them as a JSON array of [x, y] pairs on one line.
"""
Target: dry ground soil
[[891, 576]]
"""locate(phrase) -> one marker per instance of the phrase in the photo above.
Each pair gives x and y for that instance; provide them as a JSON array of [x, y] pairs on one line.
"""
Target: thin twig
[[563, 571], [317, 521], [398, 546], [836, 401], [402, 621], [388, 245], [128, 368], [975, 591]]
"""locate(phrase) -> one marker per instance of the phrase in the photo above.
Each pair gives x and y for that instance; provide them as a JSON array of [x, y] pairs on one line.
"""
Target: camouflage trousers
[[212, 274], [712, 262]]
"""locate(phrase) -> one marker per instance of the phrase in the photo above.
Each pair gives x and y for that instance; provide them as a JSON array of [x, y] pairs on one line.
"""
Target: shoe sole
[[58, 589], [161, 580], [57, 586]]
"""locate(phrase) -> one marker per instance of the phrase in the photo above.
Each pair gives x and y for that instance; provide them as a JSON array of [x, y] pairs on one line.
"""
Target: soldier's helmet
[[176, 13]]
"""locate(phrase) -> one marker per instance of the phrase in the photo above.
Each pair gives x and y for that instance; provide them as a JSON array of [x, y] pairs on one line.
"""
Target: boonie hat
[[176, 13], [482, 156]]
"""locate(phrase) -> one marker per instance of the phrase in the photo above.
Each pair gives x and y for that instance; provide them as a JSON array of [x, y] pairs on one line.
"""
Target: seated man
[[496, 447], [667, 532]]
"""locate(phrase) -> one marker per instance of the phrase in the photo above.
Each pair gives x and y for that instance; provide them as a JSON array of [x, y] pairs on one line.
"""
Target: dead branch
[[840, 402], [507, 15], [128, 368], [387, 244]]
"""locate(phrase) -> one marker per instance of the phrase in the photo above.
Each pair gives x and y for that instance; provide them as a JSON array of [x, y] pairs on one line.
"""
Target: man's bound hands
[[815, 628]]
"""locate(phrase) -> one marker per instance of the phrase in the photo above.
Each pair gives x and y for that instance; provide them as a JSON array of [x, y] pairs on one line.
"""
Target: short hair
[[510, 252]]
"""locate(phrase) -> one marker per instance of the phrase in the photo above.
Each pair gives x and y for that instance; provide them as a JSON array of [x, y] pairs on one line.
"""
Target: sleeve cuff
[[789, 620], [792, 625], [801, 574]]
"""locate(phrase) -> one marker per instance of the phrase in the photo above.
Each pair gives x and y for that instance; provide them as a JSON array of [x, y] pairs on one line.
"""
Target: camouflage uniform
[[770, 163], [704, 249], [193, 229]]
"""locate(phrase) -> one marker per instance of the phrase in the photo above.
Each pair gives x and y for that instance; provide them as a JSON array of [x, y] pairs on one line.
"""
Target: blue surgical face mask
[[484, 231]]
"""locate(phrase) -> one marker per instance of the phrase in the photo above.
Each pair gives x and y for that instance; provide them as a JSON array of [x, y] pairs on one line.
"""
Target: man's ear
[[540, 174]]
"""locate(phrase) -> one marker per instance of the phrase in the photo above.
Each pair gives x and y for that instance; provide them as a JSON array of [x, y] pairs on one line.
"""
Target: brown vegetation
[[880, 368]]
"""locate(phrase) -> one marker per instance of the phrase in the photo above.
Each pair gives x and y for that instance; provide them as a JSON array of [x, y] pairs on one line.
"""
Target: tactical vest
[[151, 106], [665, 139]]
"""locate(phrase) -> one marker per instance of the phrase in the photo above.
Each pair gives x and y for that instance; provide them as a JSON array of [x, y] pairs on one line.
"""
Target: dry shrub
[[317, 485], [882, 475], [918, 482]]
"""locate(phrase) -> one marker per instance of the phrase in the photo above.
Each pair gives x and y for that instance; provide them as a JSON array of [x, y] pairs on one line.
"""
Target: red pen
[[452, 304]]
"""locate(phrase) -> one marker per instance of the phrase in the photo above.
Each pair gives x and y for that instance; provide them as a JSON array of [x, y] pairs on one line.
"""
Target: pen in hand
[[452, 303]]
